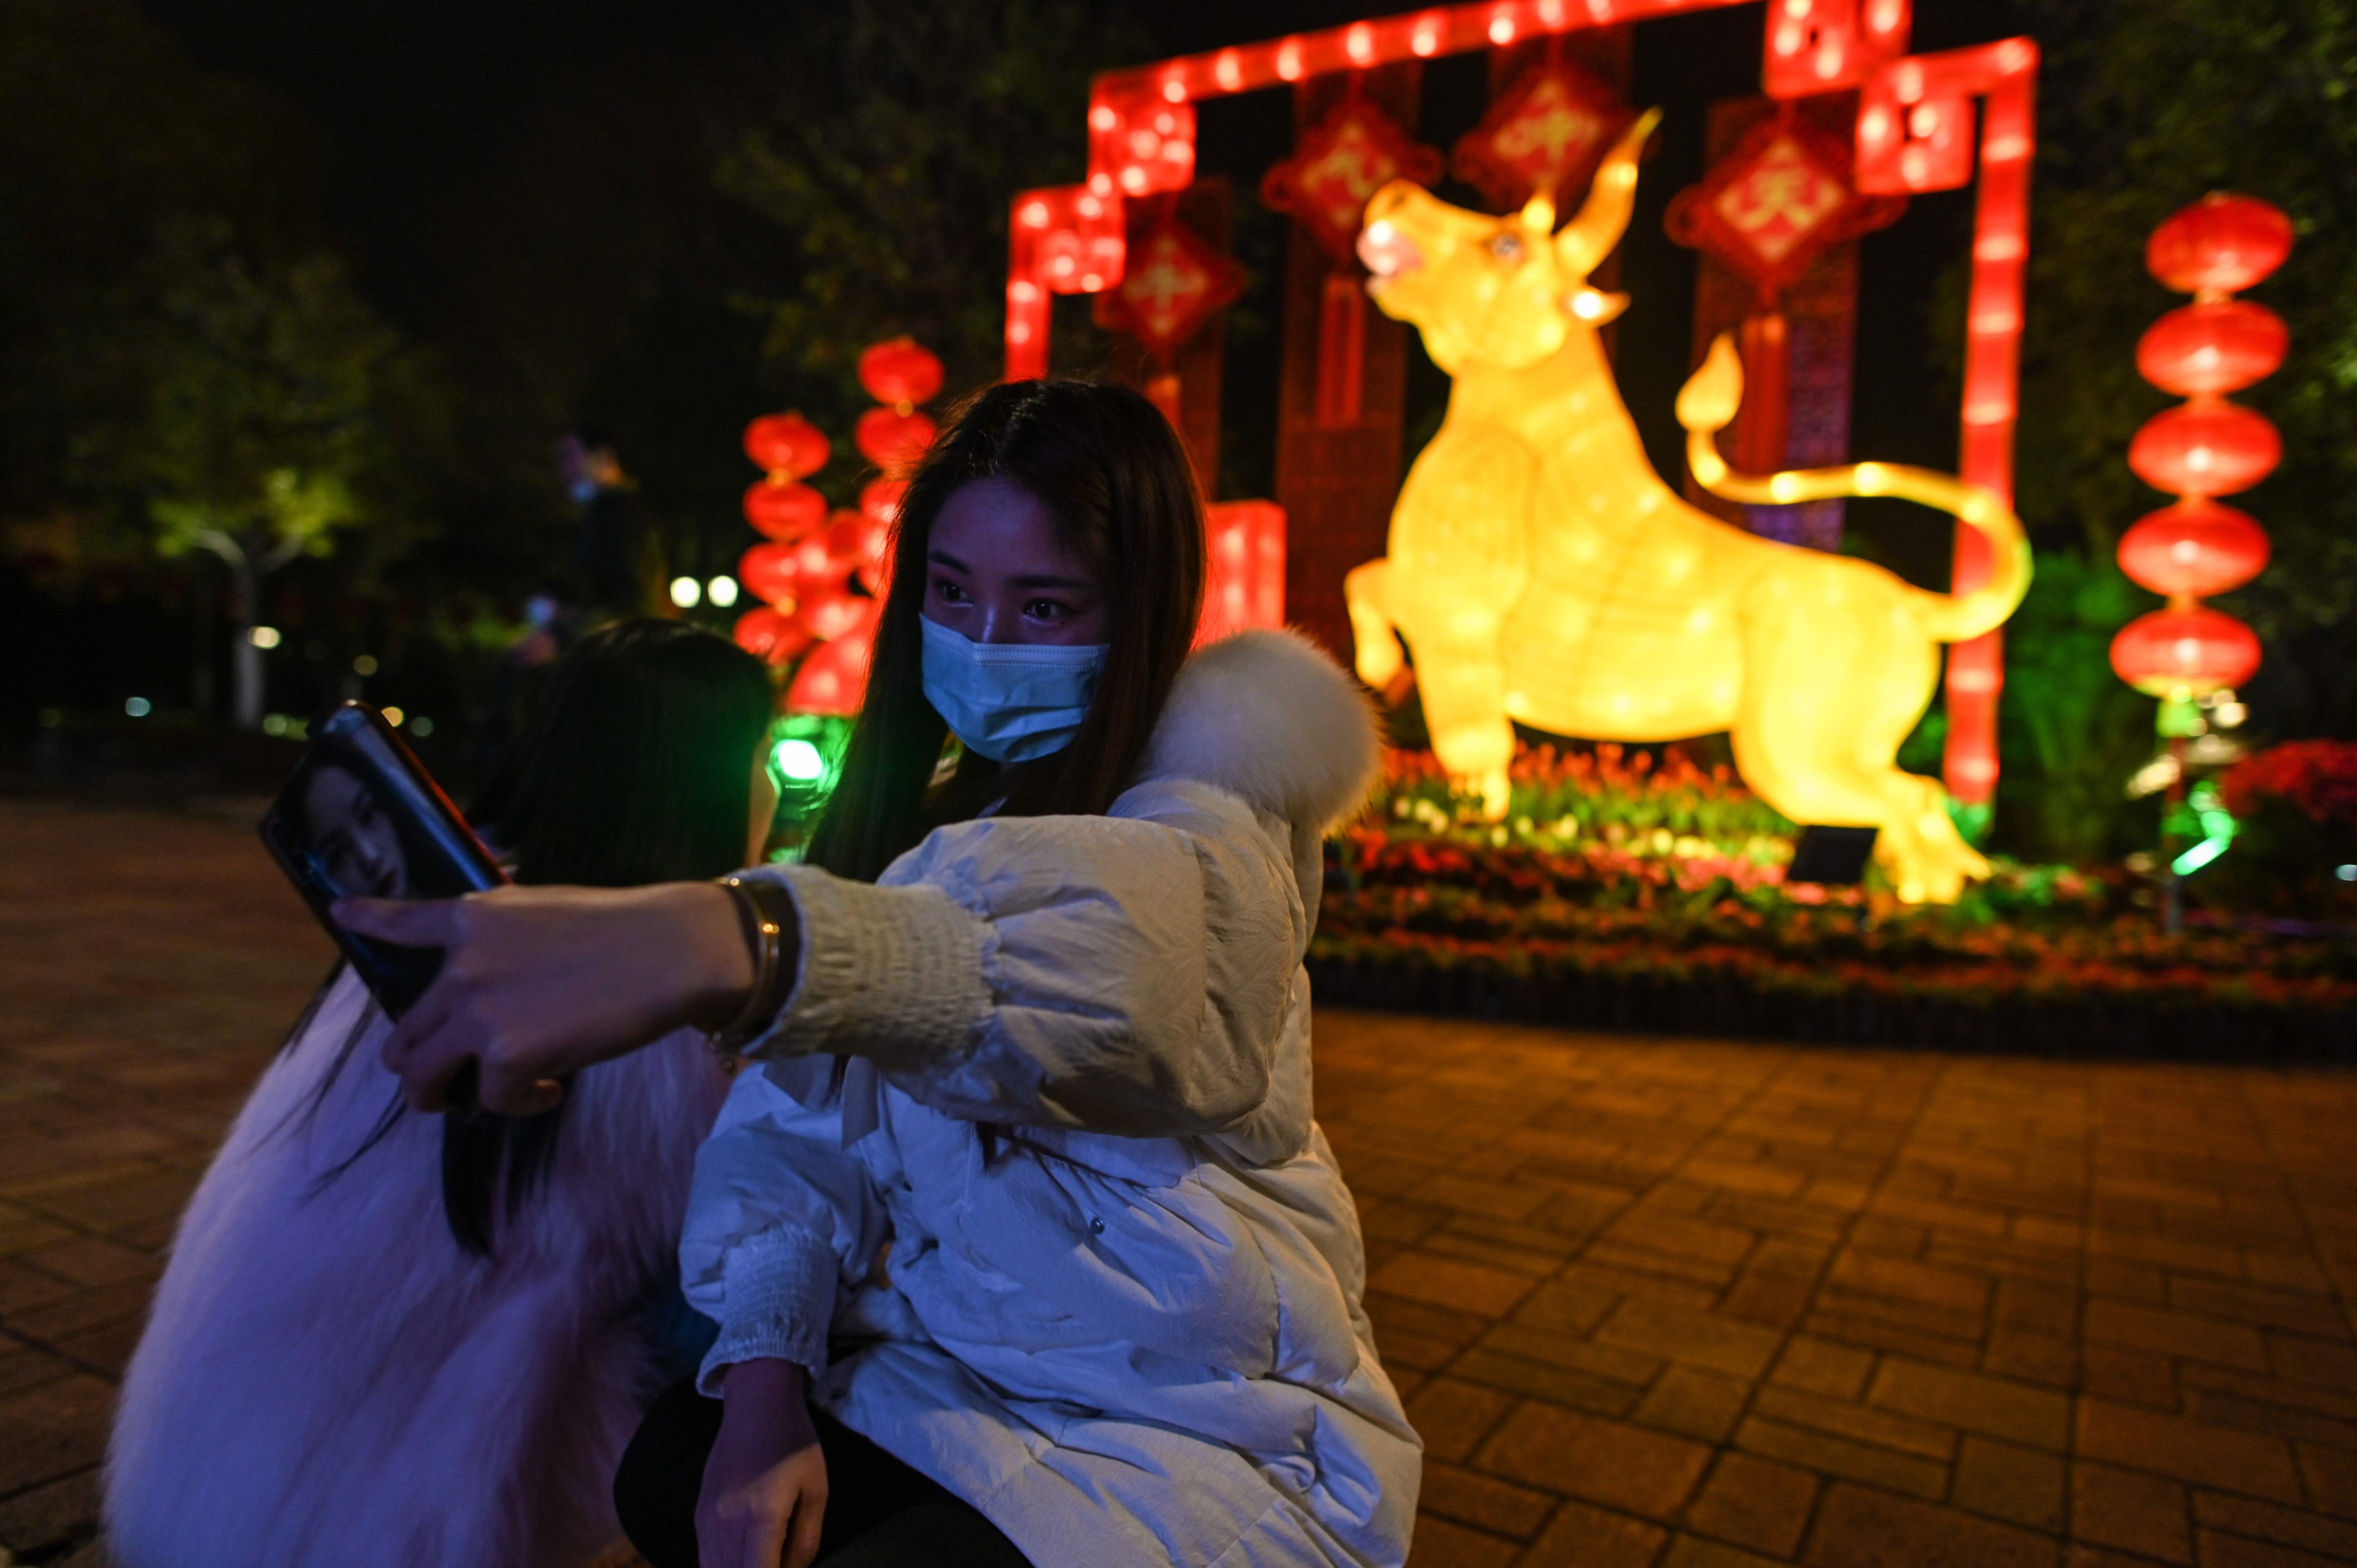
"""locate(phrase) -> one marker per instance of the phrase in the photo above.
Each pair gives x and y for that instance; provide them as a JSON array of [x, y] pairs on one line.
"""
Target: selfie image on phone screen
[[359, 818]]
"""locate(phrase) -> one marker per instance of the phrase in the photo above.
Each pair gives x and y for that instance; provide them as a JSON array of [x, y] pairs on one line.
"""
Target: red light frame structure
[[1914, 135]]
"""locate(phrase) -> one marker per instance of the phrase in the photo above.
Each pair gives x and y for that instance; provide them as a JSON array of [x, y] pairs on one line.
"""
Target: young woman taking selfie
[[386, 1340], [1022, 1240]]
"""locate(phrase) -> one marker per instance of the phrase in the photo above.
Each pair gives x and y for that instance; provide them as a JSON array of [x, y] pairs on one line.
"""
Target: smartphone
[[360, 816]]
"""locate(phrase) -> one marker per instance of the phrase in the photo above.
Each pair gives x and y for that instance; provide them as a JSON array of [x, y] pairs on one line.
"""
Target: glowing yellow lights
[[264, 637], [687, 593], [1540, 570], [392, 716]]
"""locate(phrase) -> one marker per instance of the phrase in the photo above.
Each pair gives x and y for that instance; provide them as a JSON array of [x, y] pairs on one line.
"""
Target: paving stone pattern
[[1701, 1304], [1654, 1303]]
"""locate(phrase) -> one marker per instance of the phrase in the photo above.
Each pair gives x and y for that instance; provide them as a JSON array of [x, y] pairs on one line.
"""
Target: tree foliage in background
[[243, 411], [246, 403], [111, 138], [2072, 731], [899, 132]]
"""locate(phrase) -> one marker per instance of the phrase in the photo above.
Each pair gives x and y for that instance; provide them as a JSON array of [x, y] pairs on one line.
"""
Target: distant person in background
[[616, 558]]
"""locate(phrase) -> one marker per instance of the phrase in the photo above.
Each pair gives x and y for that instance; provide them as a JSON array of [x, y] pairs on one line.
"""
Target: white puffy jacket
[[1027, 1176]]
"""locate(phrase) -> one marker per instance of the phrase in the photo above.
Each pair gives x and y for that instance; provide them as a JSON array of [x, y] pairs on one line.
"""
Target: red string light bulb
[[2205, 448]]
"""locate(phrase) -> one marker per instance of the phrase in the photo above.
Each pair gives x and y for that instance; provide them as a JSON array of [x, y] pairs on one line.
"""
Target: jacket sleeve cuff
[[890, 973], [778, 1302]]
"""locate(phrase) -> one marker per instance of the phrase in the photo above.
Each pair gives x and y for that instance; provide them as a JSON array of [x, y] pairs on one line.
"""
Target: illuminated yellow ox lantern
[[1539, 570]]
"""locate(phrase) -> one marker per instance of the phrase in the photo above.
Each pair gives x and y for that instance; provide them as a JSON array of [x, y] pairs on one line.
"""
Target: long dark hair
[[1111, 471], [635, 767]]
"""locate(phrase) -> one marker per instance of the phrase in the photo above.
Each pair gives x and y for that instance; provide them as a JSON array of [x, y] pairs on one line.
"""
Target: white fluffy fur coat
[[328, 1382]]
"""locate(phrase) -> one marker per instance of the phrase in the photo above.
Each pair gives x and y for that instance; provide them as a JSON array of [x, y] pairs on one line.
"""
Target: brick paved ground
[[1672, 1304], [1701, 1306], [148, 964]]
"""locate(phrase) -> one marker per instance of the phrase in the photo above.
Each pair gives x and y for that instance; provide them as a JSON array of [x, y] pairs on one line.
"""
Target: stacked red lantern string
[[2205, 448], [811, 569]]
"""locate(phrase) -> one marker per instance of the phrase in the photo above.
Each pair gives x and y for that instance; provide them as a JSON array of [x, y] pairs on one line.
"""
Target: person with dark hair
[[1022, 1240], [617, 565], [385, 1340]]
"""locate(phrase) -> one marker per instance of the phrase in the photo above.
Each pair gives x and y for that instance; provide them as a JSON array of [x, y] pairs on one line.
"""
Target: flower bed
[[1681, 921]]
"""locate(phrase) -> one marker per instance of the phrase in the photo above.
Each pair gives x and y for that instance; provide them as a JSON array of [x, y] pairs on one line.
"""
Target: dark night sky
[[413, 94]]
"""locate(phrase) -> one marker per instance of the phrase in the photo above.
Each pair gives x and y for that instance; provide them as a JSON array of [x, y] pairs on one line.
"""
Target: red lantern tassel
[[1341, 351], [1761, 422]]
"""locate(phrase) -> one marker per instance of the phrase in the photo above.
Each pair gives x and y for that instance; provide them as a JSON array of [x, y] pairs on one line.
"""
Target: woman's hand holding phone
[[538, 982], [764, 1495]]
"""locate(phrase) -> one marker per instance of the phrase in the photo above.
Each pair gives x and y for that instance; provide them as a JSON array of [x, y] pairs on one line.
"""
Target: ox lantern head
[[1526, 281]]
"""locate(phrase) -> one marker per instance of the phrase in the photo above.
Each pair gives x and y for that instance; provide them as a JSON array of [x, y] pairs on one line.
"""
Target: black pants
[[879, 1512]]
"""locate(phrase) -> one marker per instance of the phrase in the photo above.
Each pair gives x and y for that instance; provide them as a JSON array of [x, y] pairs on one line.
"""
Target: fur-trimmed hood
[[1270, 717]]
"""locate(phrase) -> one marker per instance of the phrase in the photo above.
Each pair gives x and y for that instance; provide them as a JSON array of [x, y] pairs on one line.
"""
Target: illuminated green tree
[[242, 410]]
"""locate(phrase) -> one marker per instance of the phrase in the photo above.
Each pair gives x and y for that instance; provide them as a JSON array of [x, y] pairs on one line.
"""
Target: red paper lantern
[[783, 574], [2184, 651], [770, 572], [2220, 245], [892, 440], [833, 680], [770, 635], [784, 511], [2217, 346], [836, 612], [880, 499], [2205, 447], [900, 374], [858, 538], [2195, 547], [786, 443]]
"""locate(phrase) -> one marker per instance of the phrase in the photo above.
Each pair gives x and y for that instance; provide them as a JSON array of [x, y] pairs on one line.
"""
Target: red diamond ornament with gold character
[[1174, 284], [1775, 202], [1547, 132], [1340, 162]]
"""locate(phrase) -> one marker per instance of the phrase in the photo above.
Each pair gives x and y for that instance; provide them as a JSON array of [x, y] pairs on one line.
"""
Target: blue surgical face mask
[[1011, 701]]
